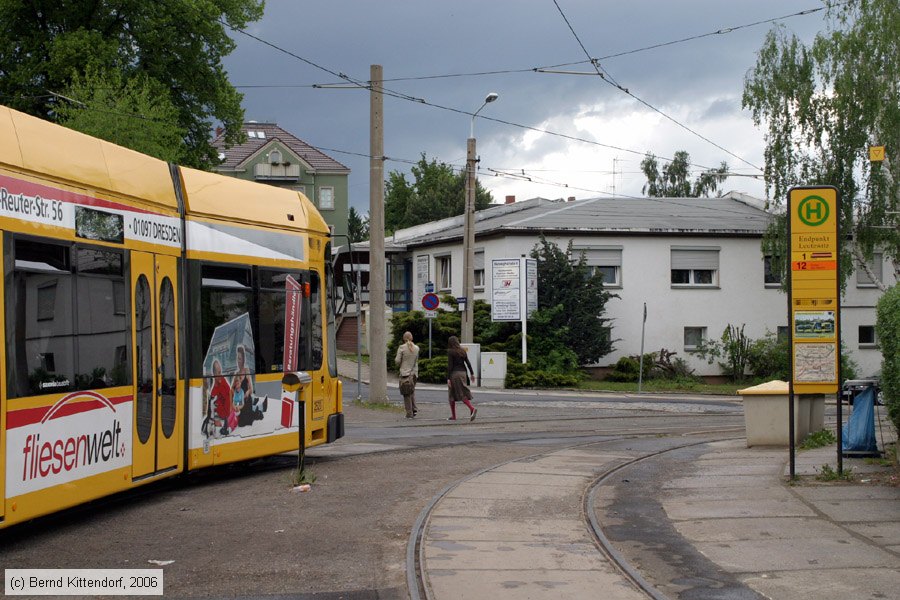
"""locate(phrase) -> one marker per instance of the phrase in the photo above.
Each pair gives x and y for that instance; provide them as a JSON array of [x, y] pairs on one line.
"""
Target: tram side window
[[315, 314], [226, 307], [102, 341], [330, 312], [61, 319], [273, 295]]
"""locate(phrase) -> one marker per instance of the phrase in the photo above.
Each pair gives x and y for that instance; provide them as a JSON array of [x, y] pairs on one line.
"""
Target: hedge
[[887, 326]]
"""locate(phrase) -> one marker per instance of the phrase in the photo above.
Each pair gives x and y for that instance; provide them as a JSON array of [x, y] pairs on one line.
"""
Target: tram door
[[3, 402], [157, 403]]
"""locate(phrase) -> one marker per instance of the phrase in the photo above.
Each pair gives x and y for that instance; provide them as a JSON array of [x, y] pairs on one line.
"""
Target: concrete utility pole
[[377, 340], [468, 329], [467, 333]]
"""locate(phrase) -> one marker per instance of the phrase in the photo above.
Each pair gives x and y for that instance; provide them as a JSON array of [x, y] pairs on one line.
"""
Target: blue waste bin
[[859, 432]]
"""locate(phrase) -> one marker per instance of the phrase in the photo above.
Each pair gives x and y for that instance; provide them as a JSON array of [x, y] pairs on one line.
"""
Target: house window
[[443, 270], [275, 157], [862, 278], [784, 333], [610, 275], [119, 297], [693, 337], [479, 269], [326, 198], [867, 338], [771, 271], [299, 188], [605, 260], [695, 266], [46, 302]]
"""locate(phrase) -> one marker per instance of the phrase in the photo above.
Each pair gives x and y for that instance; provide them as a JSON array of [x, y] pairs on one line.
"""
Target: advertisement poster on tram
[[291, 324], [84, 433], [232, 402]]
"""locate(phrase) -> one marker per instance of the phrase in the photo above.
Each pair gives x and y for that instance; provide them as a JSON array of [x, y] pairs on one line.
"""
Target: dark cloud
[[699, 82]]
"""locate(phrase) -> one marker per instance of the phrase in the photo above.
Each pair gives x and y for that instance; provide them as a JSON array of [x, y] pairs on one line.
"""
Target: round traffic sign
[[430, 301]]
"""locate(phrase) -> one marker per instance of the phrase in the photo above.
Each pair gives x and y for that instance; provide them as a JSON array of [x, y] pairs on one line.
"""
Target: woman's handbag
[[407, 385]]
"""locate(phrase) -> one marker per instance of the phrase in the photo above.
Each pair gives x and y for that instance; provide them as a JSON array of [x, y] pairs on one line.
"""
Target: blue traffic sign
[[430, 301]]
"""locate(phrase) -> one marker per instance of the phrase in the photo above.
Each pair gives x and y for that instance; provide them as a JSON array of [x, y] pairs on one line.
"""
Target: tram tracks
[[417, 580]]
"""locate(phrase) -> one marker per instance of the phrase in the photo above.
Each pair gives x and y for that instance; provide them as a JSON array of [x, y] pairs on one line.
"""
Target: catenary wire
[[604, 76], [355, 83]]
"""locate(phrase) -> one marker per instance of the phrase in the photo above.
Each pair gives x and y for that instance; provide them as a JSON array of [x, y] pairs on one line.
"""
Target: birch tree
[[822, 106]]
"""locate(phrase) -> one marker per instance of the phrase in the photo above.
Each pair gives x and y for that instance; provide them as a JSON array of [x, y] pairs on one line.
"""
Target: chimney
[[571, 198], [219, 131], [510, 199]]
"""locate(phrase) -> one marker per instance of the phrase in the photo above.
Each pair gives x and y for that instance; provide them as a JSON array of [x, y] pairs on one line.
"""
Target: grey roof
[[235, 156], [734, 214], [730, 215]]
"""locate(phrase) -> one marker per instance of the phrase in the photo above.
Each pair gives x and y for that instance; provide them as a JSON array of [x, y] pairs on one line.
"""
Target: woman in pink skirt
[[458, 369]]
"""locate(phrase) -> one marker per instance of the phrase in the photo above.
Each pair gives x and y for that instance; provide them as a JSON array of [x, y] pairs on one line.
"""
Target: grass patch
[[299, 477], [352, 357], [826, 473], [386, 406], [819, 439], [663, 385]]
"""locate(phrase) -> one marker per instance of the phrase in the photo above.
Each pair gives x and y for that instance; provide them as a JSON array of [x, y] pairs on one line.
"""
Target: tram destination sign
[[814, 289]]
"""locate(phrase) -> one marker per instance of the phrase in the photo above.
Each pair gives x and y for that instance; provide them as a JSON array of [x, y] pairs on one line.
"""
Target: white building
[[695, 262]]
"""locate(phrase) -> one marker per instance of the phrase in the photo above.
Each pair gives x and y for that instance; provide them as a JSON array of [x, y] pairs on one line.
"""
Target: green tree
[[572, 303], [674, 181], [735, 351], [436, 192], [887, 325], [172, 48], [357, 227], [822, 107], [136, 114]]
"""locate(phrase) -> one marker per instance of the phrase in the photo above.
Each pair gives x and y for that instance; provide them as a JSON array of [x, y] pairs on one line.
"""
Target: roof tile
[[237, 155]]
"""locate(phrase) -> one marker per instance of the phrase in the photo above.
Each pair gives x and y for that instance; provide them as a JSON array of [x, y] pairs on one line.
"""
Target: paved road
[[241, 531]]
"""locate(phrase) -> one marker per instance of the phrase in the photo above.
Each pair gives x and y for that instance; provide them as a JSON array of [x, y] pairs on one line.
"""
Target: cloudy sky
[[551, 135]]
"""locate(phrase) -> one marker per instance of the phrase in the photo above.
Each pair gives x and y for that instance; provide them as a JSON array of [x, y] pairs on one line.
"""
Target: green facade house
[[272, 155]]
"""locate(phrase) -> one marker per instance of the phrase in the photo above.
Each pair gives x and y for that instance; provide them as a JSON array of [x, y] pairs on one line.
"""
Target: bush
[[769, 357], [887, 326], [849, 368], [626, 370], [433, 370], [520, 376], [551, 362], [733, 348]]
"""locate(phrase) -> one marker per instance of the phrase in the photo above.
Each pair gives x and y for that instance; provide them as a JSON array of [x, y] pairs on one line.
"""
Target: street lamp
[[467, 334]]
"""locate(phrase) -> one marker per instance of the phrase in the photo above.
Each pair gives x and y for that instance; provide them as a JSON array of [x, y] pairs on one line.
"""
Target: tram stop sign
[[814, 291], [430, 301]]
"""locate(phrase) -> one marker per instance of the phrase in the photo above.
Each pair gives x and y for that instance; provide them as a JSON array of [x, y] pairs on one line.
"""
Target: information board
[[423, 275], [814, 289], [506, 294]]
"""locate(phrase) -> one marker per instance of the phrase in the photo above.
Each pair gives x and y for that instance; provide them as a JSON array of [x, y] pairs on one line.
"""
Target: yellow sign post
[[814, 295]]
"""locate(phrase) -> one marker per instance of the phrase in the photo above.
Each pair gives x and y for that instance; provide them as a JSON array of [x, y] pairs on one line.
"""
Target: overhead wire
[[604, 76], [600, 70], [360, 84], [356, 83], [721, 31]]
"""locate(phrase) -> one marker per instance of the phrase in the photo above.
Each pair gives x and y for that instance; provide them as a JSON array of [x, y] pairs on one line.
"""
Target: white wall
[[741, 296], [858, 309]]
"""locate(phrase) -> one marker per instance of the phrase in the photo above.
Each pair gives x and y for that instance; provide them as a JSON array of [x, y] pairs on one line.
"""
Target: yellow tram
[[150, 313]]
